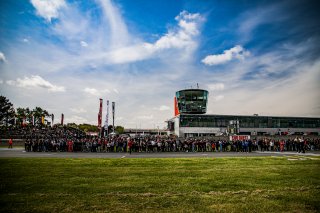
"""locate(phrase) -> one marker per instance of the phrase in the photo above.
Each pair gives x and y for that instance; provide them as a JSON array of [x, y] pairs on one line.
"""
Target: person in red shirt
[[10, 143], [70, 146], [281, 146], [130, 143], [213, 146]]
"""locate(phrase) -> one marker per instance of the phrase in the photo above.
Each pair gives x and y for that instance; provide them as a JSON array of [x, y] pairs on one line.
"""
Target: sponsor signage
[[239, 137]]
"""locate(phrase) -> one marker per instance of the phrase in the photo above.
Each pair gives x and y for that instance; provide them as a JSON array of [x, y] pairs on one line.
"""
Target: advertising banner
[[106, 123], [100, 114], [239, 137]]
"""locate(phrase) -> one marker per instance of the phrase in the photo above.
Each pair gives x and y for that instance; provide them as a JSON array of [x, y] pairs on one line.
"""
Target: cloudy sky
[[252, 56]]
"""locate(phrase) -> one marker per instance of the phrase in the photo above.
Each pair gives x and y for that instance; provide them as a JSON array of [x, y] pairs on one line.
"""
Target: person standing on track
[[10, 143], [130, 143], [281, 146], [70, 146]]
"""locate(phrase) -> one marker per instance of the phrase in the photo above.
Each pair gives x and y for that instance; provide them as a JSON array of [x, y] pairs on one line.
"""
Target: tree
[[110, 129], [119, 129], [23, 113], [7, 113], [38, 113], [88, 128], [73, 125]]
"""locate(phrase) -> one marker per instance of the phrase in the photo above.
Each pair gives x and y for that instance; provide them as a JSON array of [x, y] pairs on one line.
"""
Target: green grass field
[[263, 184]]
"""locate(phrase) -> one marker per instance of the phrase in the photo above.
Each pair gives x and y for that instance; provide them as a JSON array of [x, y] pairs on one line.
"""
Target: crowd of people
[[69, 143], [68, 139]]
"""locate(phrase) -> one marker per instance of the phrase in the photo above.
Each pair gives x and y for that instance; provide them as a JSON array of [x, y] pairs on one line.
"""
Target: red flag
[[176, 109]]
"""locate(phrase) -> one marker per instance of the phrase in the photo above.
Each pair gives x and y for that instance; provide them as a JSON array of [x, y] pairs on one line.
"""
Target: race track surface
[[19, 152]]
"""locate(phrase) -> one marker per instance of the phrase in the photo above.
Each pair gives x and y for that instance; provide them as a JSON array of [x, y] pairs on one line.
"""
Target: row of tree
[[26, 116], [10, 116], [94, 128], [34, 116]]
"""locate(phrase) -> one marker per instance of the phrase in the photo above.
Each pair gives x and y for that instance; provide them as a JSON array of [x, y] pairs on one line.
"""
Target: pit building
[[190, 120]]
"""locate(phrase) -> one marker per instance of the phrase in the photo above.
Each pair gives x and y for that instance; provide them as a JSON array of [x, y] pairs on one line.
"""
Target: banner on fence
[[239, 137]]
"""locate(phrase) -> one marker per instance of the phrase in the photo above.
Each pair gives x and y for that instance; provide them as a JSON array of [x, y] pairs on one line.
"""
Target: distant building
[[144, 132], [191, 121]]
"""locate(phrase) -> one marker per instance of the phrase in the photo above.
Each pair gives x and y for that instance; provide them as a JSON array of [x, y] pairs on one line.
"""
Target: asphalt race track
[[19, 152]]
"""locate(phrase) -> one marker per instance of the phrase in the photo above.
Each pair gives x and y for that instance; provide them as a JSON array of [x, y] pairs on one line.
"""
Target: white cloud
[[183, 37], [76, 119], [48, 9], [96, 92], [112, 44], [92, 91], [93, 66], [145, 117], [83, 44], [74, 26], [129, 54], [116, 91], [35, 81], [78, 110], [2, 57], [118, 30], [216, 87], [179, 38], [119, 119], [186, 21], [237, 52], [106, 91], [11, 82], [1, 81], [218, 98], [25, 40], [164, 108]]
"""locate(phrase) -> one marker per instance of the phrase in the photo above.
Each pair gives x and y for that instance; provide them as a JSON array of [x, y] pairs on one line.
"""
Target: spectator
[[10, 143]]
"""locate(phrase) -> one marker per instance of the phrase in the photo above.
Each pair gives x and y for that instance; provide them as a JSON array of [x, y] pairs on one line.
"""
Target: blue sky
[[252, 56]]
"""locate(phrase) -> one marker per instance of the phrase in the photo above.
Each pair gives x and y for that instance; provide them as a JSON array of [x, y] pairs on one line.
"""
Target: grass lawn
[[262, 184]]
